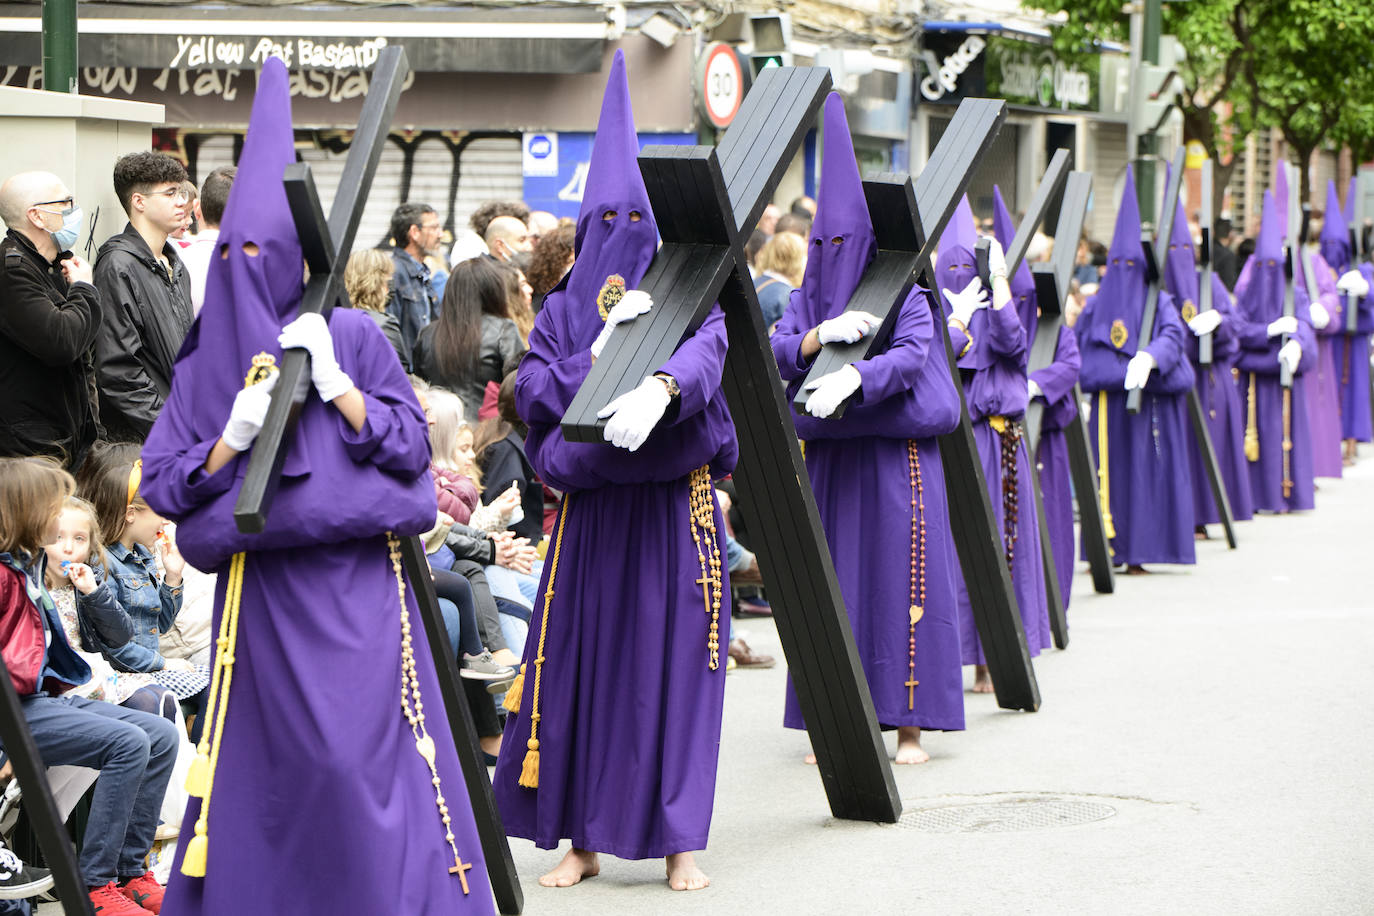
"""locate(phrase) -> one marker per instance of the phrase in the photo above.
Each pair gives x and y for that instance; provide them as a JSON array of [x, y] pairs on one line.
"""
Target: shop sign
[[1031, 74], [540, 157], [942, 78]]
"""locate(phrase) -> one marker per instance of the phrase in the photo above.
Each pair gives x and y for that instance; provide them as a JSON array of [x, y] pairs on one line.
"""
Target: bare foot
[[576, 865], [809, 759], [1136, 569], [1200, 533], [909, 746], [683, 874], [982, 679]]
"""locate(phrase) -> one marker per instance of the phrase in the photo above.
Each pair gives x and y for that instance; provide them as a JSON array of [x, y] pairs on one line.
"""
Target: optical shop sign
[[959, 65]]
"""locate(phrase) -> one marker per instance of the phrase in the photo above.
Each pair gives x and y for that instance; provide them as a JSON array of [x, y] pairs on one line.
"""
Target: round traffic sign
[[722, 84]]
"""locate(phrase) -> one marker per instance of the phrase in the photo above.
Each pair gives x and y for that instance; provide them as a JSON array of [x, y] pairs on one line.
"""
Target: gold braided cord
[[1252, 452], [201, 780], [1287, 442], [529, 772], [1104, 489]]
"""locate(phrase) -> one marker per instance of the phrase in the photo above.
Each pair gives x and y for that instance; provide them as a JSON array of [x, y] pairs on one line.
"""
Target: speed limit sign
[[720, 83]]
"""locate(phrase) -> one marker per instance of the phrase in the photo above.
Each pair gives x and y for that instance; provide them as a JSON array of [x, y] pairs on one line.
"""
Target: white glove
[[1033, 390], [634, 303], [1205, 322], [1138, 370], [635, 413], [997, 259], [1285, 325], [311, 332], [1320, 316], [1290, 354], [964, 303], [1353, 283], [248, 412], [829, 391], [847, 327]]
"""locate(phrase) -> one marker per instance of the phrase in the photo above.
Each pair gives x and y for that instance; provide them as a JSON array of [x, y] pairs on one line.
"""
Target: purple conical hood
[[1126, 234], [616, 232], [1350, 193], [1180, 265], [248, 297], [1260, 290], [1335, 237], [955, 266], [1022, 285], [1120, 296], [1281, 199], [842, 240]]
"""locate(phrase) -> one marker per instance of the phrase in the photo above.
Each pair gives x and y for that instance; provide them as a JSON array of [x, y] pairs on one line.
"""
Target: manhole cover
[[1002, 815]]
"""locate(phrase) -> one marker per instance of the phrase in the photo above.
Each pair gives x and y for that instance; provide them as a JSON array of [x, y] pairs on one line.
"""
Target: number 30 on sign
[[720, 83]]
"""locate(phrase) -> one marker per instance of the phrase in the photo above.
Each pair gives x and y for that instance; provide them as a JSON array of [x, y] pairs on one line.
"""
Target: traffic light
[[1156, 88], [770, 39]]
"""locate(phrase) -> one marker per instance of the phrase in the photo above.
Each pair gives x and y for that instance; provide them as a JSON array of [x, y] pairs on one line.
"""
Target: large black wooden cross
[[922, 217], [326, 245], [706, 201]]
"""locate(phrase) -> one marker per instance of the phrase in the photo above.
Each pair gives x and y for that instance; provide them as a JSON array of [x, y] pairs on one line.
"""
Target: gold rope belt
[[1104, 476], [1251, 424]]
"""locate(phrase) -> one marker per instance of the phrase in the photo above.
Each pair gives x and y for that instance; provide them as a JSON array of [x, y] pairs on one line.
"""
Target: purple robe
[[1350, 355], [1056, 382], [629, 711], [859, 465], [1259, 301], [992, 361], [318, 773], [1323, 383], [1215, 389], [1149, 475]]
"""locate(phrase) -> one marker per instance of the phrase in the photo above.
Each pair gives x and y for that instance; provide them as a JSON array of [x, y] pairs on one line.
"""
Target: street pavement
[[1210, 725], [1218, 716]]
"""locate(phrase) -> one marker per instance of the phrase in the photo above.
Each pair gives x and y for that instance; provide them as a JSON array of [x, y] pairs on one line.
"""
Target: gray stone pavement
[[1217, 715], [1220, 712]]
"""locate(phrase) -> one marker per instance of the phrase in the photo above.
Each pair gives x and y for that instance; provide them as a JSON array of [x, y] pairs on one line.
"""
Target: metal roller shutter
[[1108, 163], [489, 169]]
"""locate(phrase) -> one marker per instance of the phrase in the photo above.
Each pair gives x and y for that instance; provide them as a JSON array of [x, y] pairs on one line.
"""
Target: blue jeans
[[134, 752], [514, 586]]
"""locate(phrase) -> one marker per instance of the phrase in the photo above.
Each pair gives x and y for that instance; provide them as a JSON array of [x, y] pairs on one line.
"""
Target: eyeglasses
[[66, 203], [170, 194]]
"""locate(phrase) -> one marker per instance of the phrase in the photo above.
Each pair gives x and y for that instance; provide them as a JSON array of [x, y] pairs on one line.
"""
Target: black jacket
[[147, 315], [503, 461], [47, 367], [500, 354]]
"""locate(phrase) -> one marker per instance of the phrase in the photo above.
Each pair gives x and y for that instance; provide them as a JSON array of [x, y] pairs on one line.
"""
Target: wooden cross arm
[[1053, 279], [1051, 183]]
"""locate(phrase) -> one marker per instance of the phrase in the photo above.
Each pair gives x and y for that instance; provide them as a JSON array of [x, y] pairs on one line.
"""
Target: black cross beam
[[1290, 270], [32, 773], [1357, 254], [1052, 285], [706, 201], [908, 225], [1204, 262], [1051, 288], [326, 245]]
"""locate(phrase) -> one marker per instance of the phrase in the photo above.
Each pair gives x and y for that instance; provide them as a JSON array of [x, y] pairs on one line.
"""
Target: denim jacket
[[151, 603], [413, 302]]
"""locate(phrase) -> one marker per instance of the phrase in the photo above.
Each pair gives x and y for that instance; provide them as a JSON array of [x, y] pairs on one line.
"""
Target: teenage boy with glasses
[[146, 293]]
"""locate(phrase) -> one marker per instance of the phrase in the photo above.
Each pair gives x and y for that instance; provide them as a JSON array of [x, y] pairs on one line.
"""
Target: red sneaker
[[145, 891], [109, 900]]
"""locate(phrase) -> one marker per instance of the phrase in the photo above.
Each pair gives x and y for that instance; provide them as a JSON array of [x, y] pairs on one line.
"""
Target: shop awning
[[534, 38]]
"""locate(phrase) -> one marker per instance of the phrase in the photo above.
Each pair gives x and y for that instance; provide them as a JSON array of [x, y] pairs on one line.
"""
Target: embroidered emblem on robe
[[1189, 311], [1119, 333], [611, 293]]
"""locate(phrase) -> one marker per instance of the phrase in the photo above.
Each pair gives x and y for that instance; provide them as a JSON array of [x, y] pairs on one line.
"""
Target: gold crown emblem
[[1189, 311], [611, 293], [264, 364], [1119, 334]]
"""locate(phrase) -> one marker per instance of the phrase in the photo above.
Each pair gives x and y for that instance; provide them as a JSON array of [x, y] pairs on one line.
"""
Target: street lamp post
[[1147, 141], [59, 45]]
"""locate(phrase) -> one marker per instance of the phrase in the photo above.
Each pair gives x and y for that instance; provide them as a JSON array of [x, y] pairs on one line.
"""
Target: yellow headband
[[135, 478]]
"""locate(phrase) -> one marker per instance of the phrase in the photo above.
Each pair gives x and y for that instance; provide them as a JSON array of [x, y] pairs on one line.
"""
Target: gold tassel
[[198, 776], [529, 773], [512, 701], [193, 863], [1251, 424], [1104, 478], [1287, 443]]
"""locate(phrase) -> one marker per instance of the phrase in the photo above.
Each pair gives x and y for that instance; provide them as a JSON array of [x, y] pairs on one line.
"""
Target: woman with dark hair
[[475, 340], [552, 258]]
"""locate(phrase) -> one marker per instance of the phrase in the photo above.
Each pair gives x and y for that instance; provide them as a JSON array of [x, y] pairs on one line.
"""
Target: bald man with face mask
[[506, 237], [49, 315]]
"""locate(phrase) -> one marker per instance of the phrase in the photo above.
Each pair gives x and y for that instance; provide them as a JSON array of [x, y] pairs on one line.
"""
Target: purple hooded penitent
[[1259, 301], [628, 711], [992, 355], [859, 464], [1335, 237], [1056, 382], [1149, 484], [1351, 352], [312, 713]]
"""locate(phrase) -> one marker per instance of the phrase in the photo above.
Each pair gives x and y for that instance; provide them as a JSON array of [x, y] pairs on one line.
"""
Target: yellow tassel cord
[[702, 518], [1287, 442], [529, 772], [200, 780], [517, 687], [1104, 489], [413, 708], [1251, 425]]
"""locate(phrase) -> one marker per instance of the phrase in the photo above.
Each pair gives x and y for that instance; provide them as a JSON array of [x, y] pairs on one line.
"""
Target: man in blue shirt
[[415, 231]]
